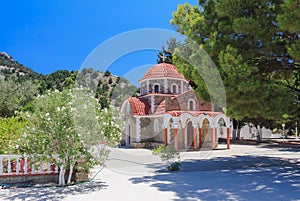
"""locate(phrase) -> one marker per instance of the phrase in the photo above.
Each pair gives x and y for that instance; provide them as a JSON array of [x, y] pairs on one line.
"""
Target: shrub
[[169, 155]]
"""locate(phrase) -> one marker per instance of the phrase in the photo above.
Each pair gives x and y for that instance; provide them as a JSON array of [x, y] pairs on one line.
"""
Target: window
[[191, 104], [174, 89], [156, 88]]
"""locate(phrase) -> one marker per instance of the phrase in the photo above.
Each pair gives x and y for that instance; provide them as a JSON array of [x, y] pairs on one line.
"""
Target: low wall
[[29, 178]]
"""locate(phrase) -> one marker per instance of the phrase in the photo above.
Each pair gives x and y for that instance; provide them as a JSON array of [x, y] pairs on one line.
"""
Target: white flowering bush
[[70, 124]]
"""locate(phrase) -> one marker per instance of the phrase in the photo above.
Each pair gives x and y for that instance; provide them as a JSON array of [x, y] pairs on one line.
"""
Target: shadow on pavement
[[234, 178], [50, 193]]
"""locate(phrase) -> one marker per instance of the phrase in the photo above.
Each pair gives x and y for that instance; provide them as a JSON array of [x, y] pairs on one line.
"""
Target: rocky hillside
[[108, 88], [9, 67]]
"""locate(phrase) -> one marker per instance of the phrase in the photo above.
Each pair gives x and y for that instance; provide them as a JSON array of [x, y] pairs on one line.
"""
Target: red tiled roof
[[139, 107], [162, 70], [161, 108]]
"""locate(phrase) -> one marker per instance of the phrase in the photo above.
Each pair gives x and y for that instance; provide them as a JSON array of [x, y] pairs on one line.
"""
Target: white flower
[[58, 109]]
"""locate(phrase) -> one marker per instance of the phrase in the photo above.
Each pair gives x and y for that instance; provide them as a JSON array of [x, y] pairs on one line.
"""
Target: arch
[[202, 117], [167, 118], [185, 117], [174, 88], [221, 116], [156, 88], [125, 108], [191, 104]]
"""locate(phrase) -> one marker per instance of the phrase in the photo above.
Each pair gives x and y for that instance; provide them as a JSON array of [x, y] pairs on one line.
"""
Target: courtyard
[[245, 172]]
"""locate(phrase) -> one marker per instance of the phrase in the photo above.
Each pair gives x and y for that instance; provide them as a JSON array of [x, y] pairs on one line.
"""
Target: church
[[169, 112]]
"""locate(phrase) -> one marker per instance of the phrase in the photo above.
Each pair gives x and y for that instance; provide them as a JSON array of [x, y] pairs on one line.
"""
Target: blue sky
[[48, 35]]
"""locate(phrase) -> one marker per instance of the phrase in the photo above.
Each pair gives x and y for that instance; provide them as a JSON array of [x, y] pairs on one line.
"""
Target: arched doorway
[[221, 125], [190, 135], [205, 135]]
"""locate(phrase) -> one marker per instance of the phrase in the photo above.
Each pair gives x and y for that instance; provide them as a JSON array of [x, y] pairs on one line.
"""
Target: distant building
[[168, 111]]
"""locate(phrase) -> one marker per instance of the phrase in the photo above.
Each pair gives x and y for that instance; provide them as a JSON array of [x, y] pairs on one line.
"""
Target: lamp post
[[283, 125]]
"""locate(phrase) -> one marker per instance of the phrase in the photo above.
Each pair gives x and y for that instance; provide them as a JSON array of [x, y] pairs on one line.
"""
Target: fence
[[25, 165]]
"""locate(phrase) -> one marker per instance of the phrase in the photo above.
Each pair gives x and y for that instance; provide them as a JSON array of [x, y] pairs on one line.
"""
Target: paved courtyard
[[245, 172]]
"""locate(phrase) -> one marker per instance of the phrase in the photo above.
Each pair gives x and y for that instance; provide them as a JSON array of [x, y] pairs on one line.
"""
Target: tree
[[11, 134], [14, 95], [67, 124], [107, 73], [255, 61], [166, 54]]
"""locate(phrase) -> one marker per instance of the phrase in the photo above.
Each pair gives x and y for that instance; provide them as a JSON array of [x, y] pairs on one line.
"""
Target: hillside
[[20, 81], [9, 67]]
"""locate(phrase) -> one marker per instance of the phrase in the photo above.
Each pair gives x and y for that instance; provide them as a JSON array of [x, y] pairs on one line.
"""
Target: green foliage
[[107, 73], [14, 96], [255, 45], [11, 134], [169, 155], [57, 80], [70, 124]]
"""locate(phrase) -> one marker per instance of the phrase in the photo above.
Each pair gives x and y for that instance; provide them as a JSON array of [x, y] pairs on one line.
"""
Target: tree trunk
[[61, 179], [238, 133], [259, 134], [234, 134], [70, 174]]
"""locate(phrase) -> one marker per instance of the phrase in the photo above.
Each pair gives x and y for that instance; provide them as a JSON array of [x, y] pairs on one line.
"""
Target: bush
[[169, 155]]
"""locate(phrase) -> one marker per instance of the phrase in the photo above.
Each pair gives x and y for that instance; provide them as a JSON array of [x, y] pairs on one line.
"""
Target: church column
[[176, 138], [228, 138], [147, 85], [213, 137], [166, 136], [165, 85], [195, 137], [182, 86], [138, 131], [152, 104]]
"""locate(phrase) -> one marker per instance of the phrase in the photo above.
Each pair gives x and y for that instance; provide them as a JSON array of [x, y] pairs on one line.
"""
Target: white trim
[[138, 132], [182, 86], [152, 104], [147, 85], [165, 85], [189, 104], [149, 116], [161, 78], [153, 88], [156, 126]]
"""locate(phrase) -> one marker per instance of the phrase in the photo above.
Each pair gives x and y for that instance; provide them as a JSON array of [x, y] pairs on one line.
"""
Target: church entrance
[[206, 137], [190, 135]]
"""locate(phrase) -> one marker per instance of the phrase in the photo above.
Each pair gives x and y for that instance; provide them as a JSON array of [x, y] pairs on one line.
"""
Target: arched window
[[191, 104], [156, 88], [174, 89]]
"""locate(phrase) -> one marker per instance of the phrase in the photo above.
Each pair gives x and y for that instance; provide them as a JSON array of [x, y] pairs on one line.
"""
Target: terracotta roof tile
[[139, 106], [162, 70], [161, 108]]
